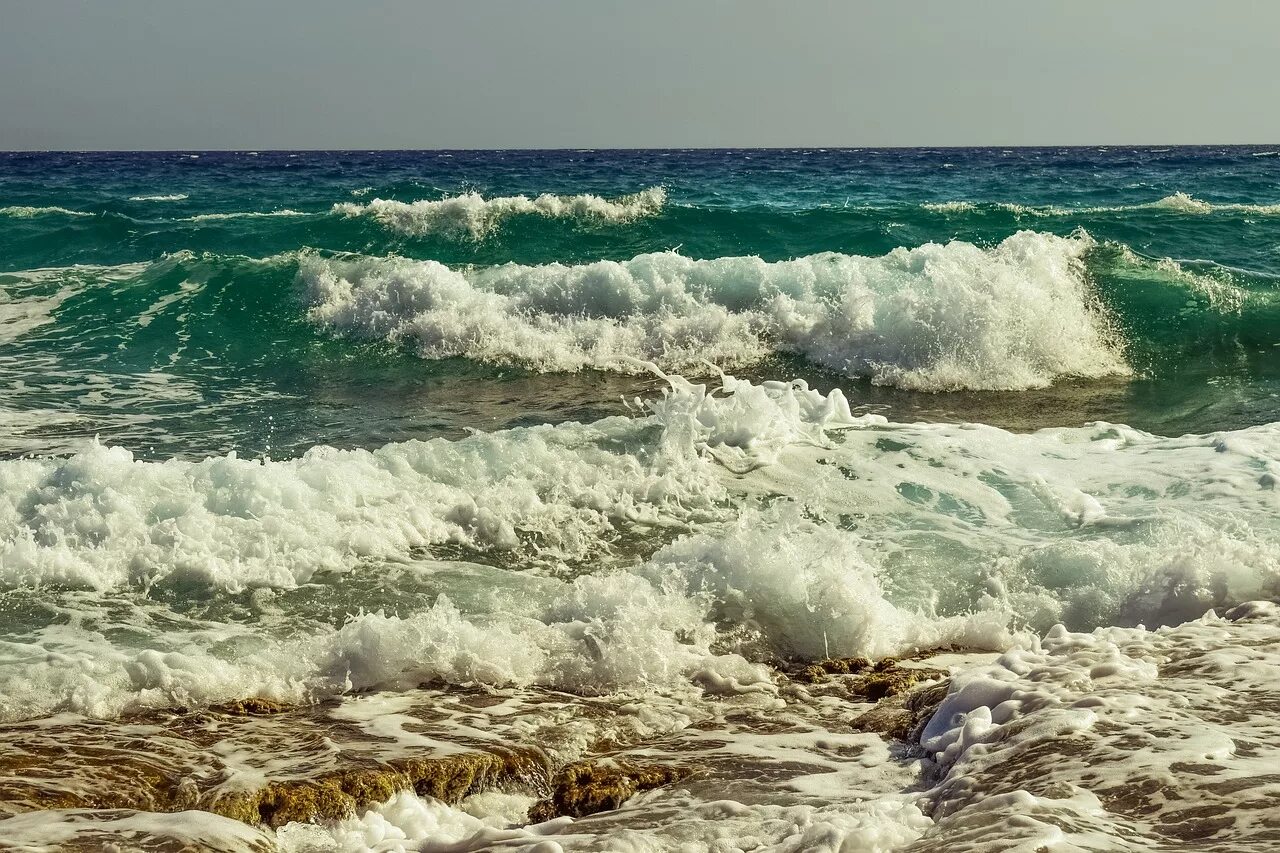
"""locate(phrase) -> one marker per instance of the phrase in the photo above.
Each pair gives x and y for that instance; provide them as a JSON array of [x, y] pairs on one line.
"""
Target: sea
[[595, 500]]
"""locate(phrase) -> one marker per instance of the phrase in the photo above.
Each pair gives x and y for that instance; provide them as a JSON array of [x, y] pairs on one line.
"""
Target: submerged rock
[[587, 787], [902, 715], [344, 794], [820, 671]]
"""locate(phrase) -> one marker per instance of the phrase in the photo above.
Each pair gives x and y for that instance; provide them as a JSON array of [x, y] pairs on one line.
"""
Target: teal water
[[585, 450], [171, 318]]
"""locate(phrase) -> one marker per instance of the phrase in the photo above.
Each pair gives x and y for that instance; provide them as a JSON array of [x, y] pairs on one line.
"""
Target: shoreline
[[992, 734]]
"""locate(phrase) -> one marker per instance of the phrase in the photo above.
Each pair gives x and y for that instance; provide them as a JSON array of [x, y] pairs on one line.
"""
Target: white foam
[[1178, 202], [827, 602], [473, 216], [22, 316], [25, 212], [1094, 525], [410, 823], [102, 518], [1121, 738], [57, 830], [170, 197], [1181, 202], [950, 206], [1218, 289], [1016, 315], [403, 824], [244, 214], [816, 533]]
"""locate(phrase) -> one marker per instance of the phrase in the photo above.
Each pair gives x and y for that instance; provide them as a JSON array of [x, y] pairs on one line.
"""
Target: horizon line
[[556, 149]]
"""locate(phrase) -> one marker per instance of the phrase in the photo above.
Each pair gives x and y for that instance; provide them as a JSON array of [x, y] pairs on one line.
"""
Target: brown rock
[[903, 715], [588, 787]]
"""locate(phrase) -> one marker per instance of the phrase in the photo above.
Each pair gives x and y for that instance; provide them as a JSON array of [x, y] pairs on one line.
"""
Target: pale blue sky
[[575, 73]]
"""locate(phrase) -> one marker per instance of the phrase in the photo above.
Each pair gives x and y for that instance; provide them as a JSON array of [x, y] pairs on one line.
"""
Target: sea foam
[[244, 214], [765, 520], [1017, 315], [169, 197], [473, 216], [1116, 739], [1178, 202], [28, 212]]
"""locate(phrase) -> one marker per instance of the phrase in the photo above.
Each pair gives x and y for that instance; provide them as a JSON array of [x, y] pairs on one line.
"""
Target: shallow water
[[611, 442]]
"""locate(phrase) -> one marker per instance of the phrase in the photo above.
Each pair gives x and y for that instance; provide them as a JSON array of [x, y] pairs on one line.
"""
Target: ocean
[[611, 500]]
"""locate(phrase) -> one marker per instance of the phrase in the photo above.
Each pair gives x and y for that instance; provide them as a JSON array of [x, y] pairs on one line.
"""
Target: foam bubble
[[102, 518], [404, 823], [473, 216], [1016, 315]]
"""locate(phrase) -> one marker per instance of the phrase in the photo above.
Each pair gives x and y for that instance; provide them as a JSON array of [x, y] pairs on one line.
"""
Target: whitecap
[[26, 212], [473, 216], [170, 197], [1017, 315]]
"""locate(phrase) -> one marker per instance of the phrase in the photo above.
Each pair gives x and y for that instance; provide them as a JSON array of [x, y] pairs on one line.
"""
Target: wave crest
[[243, 214], [171, 197], [1178, 202], [938, 317], [473, 216], [26, 212]]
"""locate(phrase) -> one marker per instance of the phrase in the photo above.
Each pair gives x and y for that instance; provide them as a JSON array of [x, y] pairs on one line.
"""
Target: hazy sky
[[597, 73]]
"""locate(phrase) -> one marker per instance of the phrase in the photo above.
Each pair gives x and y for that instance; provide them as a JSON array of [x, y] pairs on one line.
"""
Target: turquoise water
[[605, 443], [184, 342]]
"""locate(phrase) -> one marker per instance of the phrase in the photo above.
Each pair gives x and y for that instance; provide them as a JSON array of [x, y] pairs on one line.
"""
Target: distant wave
[[1182, 203], [473, 216], [950, 206], [24, 212], [937, 317], [20, 212], [1179, 202], [174, 197], [243, 214]]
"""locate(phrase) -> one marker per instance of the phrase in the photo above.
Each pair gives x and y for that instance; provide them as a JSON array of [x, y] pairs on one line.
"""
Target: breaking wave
[[1017, 315], [1178, 202], [25, 212], [171, 197], [805, 532], [473, 216], [244, 214]]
